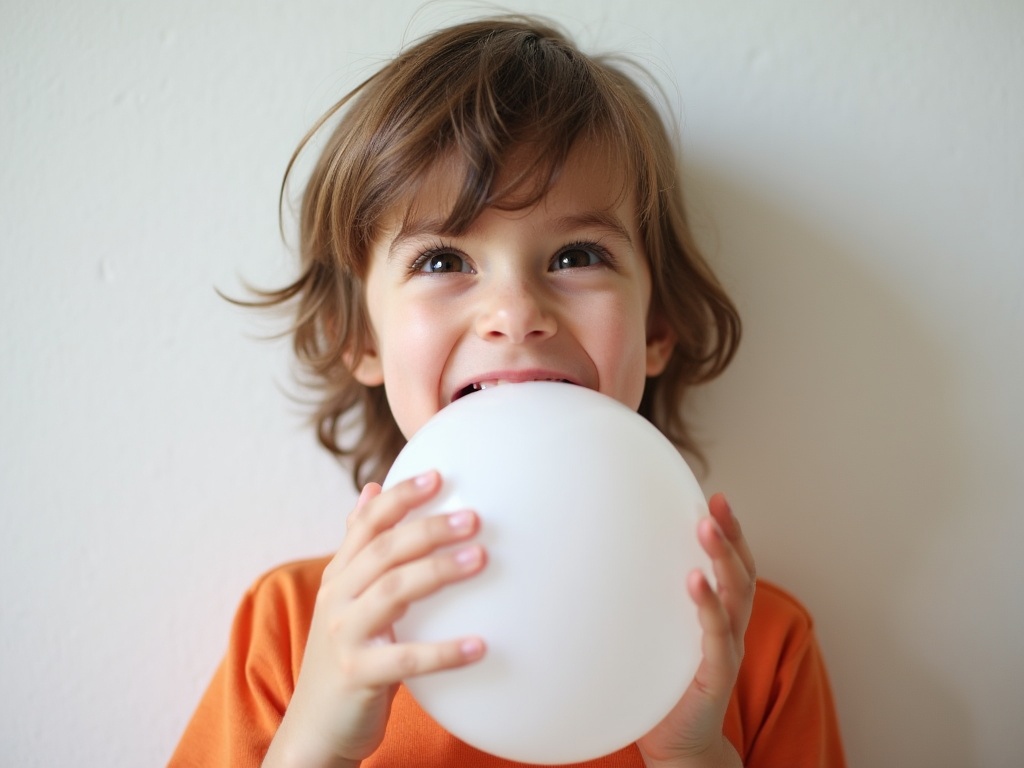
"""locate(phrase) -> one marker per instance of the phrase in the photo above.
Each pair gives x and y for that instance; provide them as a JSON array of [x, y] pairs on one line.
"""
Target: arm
[[691, 735], [352, 666]]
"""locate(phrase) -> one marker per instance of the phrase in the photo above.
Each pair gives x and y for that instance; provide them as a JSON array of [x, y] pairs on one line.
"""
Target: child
[[493, 207]]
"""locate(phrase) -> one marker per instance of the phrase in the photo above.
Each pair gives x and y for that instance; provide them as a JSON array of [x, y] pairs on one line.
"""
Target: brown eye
[[574, 258], [445, 261]]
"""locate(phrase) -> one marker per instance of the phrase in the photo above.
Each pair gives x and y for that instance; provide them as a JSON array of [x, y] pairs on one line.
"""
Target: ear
[[661, 340], [368, 370]]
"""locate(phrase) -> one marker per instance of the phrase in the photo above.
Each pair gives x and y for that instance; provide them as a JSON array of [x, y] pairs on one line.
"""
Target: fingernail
[[460, 521], [468, 558], [424, 480], [472, 648]]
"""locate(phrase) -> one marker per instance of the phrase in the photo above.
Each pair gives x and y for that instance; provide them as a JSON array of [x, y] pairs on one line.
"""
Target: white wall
[[856, 171]]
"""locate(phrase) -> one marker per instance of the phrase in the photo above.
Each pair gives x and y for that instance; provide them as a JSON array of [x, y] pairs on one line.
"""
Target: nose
[[516, 313]]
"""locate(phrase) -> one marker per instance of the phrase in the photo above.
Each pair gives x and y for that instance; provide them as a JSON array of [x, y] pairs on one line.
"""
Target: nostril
[[517, 318]]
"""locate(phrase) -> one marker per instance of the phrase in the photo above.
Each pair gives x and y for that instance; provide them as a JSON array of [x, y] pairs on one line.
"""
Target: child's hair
[[474, 93]]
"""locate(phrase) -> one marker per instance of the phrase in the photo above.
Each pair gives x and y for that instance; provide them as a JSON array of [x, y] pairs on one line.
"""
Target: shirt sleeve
[[242, 708], [783, 698]]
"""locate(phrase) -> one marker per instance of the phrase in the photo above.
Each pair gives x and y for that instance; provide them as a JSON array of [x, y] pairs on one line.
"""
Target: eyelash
[[441, 248], [437, 249], [602, 253]]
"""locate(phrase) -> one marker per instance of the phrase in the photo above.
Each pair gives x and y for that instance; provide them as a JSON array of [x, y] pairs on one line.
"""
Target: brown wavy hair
[[476, 92]]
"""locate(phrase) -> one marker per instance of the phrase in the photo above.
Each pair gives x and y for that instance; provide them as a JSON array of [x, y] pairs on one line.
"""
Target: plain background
[[855, 172]]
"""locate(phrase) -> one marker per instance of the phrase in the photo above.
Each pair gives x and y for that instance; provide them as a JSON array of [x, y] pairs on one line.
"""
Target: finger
[[403, 544], [370, 491], [723, 514], [389, 597], [386, 664], [735, 583], [720, 648], [382, 511]]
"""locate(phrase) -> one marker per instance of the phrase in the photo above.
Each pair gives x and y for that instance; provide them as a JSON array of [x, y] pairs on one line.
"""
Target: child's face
[[557, 291]]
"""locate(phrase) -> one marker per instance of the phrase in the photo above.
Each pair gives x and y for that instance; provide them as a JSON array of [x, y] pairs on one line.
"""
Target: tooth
[[477, 386]]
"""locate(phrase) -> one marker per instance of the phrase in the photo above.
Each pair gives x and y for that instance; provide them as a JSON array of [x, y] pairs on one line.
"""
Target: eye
[[441, 261], [577, 256]]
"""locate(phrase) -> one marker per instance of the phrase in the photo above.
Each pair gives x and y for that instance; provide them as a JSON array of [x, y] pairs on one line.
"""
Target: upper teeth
[[478, 385]]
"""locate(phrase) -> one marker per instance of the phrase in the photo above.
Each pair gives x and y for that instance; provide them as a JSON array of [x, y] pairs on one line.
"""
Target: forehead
[[593, 182]]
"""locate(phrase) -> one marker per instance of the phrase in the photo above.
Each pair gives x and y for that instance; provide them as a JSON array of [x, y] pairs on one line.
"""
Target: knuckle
[[381, 546], [335, 628], [391, 584], [438, 529], [327, 597], [330, 572], [446, 568], [406, 662], [439, 569], [449, 656], [363, 525], [349, 669]]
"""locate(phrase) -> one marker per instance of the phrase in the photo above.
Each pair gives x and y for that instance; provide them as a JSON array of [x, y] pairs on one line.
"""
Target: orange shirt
[[781, 712]]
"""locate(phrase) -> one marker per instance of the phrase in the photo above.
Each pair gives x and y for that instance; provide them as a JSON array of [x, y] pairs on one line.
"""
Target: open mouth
[[477, 386]]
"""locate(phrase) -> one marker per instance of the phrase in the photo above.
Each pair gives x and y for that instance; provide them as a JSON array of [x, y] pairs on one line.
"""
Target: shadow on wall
[[835, 435]]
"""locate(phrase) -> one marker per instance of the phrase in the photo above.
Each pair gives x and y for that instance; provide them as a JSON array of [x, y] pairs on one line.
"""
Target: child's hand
[[352, 666], [691, 734]]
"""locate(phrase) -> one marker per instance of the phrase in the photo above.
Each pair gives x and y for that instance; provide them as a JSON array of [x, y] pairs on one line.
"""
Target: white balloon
[[589, 521]]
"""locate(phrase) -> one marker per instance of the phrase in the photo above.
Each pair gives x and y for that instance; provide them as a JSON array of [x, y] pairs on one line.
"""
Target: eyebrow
[[605, 220], [412, 228], [596, 219]]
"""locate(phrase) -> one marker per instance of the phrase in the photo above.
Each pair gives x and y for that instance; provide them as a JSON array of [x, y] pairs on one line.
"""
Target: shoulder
[[782, 712], [244, 703], [288, 590], [294, 579], [778, 608], [780, 638], [275, 613], [780, 646]]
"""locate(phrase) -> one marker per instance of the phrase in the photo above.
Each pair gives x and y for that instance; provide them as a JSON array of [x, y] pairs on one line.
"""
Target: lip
[[513, 377]]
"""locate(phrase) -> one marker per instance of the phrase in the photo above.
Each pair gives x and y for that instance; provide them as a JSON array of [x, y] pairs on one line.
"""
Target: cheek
[[633, 371], [414, 344], [417, 333], [618, 348]]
